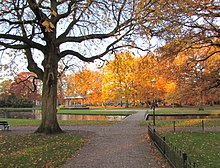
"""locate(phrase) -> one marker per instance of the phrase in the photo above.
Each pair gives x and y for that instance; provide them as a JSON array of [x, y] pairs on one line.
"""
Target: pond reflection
[[35, 114], [90, 117]]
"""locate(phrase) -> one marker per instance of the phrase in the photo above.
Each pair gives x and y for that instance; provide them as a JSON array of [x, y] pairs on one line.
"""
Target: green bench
[[5, 125]]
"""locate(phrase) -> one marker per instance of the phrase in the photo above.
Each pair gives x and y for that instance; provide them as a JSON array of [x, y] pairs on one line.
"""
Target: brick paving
[[121, 145]]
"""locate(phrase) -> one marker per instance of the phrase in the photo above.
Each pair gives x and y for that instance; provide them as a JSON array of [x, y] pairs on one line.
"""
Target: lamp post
[[153, 106]]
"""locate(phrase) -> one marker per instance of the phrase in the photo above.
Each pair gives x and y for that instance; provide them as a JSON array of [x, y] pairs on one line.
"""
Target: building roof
[[75, 96]]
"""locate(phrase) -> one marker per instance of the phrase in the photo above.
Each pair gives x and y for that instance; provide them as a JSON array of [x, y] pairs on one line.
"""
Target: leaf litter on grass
[[41, 150]]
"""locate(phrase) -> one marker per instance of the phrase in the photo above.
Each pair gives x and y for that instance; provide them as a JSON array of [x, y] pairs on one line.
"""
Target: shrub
[[16, 102]]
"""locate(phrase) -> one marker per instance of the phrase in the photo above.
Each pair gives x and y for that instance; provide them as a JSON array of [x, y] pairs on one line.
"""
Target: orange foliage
[[127, 80], [23, 86], [86, 83]]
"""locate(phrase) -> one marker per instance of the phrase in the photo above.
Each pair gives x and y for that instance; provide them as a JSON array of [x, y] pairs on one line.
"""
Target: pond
[[35, 114]]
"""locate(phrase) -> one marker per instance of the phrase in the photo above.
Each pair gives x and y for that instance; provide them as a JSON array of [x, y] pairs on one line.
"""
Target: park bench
[[5, 125]]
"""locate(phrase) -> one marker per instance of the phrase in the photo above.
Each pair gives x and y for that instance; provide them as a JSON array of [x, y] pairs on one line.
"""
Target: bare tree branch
[[25, 40]]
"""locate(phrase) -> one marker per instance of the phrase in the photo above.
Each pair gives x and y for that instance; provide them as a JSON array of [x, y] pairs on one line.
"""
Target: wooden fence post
[[174, 125], [203, 127]]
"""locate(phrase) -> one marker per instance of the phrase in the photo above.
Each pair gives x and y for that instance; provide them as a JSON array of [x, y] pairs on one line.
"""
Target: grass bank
[[201, 147], [33, 122], [38, 150], [183, 123], [95, 112], [188, 110], [18, 109]]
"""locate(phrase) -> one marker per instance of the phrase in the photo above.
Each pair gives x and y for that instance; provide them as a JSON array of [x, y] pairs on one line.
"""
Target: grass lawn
[[17, 109], [38, 150], [33, 122], [183, 123], [96, 112], [200, 147], [92, 111], [190, 110]]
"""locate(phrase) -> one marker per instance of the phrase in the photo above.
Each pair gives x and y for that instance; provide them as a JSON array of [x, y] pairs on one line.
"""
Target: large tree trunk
[[49, 123]]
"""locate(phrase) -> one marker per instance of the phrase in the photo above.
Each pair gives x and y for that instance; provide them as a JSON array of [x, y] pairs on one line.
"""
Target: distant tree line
[[15, 102]]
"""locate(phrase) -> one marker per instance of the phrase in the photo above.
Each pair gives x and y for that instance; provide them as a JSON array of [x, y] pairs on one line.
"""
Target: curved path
[[121, 145]]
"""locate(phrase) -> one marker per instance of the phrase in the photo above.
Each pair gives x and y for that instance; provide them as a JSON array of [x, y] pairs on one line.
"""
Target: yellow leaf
[[46, 23], [52, 25], [133, 44], [54, 13]]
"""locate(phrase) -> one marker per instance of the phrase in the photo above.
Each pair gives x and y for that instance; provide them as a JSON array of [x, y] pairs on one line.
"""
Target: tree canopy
[[46, 33]]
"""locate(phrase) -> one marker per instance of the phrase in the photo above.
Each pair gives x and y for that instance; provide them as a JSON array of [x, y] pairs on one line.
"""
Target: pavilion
[[74, 100]]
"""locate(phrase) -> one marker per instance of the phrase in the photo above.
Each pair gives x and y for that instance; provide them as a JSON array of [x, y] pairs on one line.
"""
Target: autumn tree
[[186, 23], [26, 85], [195, 81], [5, 88], [146, 70], [86, 83], [49, 31], [189, 30], [128, 79], [118, 77], [170, 88], [190, 25]]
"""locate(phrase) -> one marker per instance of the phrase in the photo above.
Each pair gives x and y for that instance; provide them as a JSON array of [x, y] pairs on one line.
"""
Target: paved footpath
[[120, 145]]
